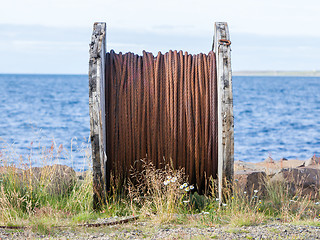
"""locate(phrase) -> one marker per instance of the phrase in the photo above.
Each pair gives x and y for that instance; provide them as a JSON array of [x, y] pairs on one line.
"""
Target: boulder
[[246, 182], [81, 176], [247, 166], [300, 181], [271, 167], [313, 161], [10, 170], [240, 165], [54, 179], [11, 174]]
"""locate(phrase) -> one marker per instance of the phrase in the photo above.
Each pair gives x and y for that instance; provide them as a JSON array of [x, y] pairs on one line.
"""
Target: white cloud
[[32, 46], [276, 34], [270, 17]]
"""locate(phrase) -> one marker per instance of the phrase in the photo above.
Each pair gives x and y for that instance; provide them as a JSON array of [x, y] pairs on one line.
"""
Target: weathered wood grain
[[225, 107], [97, 111]]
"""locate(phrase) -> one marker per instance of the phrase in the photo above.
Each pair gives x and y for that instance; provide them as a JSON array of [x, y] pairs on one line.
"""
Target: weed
[[44, 196], [52, 195], [159, 194]]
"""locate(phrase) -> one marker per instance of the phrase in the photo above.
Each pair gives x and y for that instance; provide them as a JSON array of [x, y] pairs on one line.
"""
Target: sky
[[53, 36]]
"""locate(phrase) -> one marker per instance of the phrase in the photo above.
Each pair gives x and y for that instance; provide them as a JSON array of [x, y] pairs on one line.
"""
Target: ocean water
[[273, 116], [277, 117], [44, 112]]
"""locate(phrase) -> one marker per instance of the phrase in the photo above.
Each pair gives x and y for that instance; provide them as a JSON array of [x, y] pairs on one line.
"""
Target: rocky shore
[[304, 174], [301, 177], [297, 175]]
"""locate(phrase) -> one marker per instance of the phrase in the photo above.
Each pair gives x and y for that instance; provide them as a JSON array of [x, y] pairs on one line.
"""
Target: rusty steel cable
[[162, 107]]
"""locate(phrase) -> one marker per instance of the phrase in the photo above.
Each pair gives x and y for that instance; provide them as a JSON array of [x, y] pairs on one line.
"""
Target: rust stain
[[162, 106], [225, 42]]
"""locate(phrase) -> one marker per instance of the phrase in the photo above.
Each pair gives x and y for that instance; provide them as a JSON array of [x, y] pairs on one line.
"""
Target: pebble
[[148, 231]]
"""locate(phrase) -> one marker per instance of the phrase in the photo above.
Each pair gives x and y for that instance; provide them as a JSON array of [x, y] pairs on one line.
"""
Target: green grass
[[36, 201]]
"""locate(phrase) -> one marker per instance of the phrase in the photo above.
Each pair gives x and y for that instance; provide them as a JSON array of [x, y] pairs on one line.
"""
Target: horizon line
[[303, 73]]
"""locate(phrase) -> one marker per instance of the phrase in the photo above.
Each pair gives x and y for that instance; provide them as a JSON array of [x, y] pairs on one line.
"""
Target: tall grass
[[44, 197], [276, 203], [49, 192], [159, 194]]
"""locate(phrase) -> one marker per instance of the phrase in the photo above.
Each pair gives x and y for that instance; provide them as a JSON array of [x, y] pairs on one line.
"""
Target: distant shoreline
[[234, 73], [277, 73]]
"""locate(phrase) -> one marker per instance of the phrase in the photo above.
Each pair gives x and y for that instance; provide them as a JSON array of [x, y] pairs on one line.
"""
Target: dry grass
[[277, 203], [47, 194], [159, 194], [32, 198]]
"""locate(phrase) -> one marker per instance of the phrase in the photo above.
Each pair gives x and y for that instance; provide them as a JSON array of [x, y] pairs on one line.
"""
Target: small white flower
[[317, 203], [184, 186], [187, 189], [191, 187], [169, 177], [245, 192], [224, 204], [166, 182], [186, 201], [217, 199], [255, 191], [174, 179]]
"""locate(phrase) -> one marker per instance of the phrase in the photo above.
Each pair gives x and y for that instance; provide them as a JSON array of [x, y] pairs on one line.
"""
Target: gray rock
[[55, 179], [302, 180], [248, 181], [313, 161]]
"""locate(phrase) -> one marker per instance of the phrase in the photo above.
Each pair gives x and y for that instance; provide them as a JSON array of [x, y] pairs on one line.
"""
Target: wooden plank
[[222, 49], [97, 110]]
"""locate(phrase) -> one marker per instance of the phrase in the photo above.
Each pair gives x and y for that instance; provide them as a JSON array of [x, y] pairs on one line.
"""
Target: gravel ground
[[140, 230]]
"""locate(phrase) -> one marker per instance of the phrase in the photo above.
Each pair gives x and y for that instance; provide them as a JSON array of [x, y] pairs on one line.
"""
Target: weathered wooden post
[[97, 111], [222, 50]]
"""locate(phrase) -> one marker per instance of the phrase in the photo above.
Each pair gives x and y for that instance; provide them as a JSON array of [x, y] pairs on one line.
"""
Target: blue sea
[[273, 116]]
